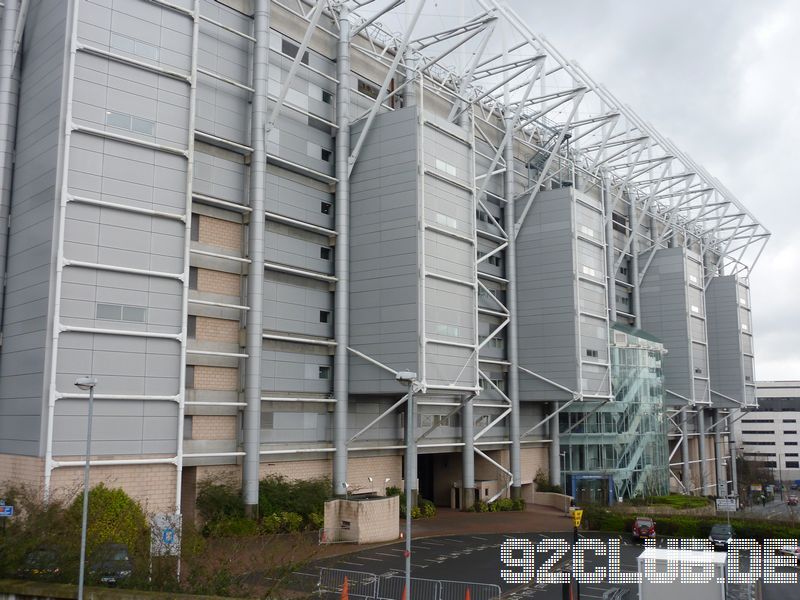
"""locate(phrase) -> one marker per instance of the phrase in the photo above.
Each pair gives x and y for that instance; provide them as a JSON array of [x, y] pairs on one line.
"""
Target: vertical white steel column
[[608, 207], [9, 96], [511, 302], [341, 371], [686, 474], [719, 455], [187, 245], [255, 279], [468, 453], [555, 448], [701, 447], [633, 222]]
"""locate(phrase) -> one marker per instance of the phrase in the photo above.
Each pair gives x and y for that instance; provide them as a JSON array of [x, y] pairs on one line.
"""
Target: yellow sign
[[577, 514]]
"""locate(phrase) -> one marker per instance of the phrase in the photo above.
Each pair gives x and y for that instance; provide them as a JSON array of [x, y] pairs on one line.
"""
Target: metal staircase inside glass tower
[[620, 446]]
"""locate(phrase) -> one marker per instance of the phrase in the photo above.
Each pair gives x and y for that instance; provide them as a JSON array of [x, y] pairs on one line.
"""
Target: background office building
[[245, 217], [769, 434]]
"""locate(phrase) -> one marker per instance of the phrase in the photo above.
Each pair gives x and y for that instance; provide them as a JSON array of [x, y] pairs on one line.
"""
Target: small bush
[[231, 527], [393, 490], [543, 484], [316, 520], [505, 504], [427, 508], [480, 506], [518, 504], [219, 500]]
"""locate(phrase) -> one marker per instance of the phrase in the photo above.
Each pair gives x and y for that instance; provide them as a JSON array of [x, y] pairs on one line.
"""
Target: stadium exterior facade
[[560, 277]]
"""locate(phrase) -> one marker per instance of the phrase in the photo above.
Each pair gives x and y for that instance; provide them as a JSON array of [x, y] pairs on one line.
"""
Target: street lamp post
[[85, 383], [409, 378]]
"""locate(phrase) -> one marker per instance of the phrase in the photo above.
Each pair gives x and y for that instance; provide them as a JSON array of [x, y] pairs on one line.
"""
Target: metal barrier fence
[[360, 585], [390, 586]]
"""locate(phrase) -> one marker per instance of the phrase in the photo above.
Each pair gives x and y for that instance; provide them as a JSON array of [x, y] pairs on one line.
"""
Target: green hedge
[[678, 501], [601, 519]]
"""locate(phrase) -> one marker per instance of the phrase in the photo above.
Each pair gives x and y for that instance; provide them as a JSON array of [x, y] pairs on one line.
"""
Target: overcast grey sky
[[718, 77]]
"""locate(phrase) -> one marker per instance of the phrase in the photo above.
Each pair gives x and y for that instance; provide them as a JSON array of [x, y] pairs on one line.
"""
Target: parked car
[[110, 563], [793, 500], [793, 550], [720, 535], [643, 528], [41, 563]]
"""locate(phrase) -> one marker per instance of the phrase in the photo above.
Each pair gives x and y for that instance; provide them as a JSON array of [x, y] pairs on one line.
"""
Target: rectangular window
[[324, 372], [189, 377], [446, 167], [195, 228], [446, 220], [327, 97], [134, 314], [325, 253], [192, 278], [121, 312], [792, 464], [789, 433], [790, 420], [325, 154], [324, 316], [109, 312], [619, 222], [790, 443], [290, 49], [191, 327], [187, 427], [592, 353], [325, 208], [128, 122]]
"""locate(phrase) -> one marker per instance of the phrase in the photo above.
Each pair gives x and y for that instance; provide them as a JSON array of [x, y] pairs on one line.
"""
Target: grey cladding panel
[[22, 354], [725, 338], [384, 284]]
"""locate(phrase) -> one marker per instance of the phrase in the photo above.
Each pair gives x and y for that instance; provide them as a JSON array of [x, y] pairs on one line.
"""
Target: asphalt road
[[777, 509], [476, 559]]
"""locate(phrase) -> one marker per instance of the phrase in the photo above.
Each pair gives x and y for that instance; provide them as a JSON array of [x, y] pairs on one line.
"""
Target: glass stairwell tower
[[618, 449]]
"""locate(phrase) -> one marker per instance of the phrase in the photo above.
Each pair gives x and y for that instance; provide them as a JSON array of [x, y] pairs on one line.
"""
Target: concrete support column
[[255, 278], [611, 292], [9, 97], [719, 456], [511, 302], [686, 474], [341, 369], [468, 454], [701, 448], [633, 221], [555, 447]]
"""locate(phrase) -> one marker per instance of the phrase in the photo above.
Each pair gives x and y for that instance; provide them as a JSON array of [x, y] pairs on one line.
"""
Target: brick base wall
[[22, 470]]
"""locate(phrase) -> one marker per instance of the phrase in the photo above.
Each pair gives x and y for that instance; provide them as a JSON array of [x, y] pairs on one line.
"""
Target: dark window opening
[[189, 377], [324, 372], [327, 97], [195, 228], [619, 222], [290, 49], [192, 278], [325, 253], [325, 208], [324, 316], [191, 327], [325, 155]]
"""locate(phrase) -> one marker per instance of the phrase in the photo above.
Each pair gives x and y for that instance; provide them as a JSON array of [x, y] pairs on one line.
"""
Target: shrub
[[427, 508], [479, 506], [276, 494], [543, 483], [231, 527], [218, 500], [113, 517], [504, 504], [316, 520], [393, 490], [518, 504]]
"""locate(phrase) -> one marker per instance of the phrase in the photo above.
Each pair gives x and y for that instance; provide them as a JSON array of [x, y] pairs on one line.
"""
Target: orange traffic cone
[[403, 597], [345, 590], [466, 596]]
